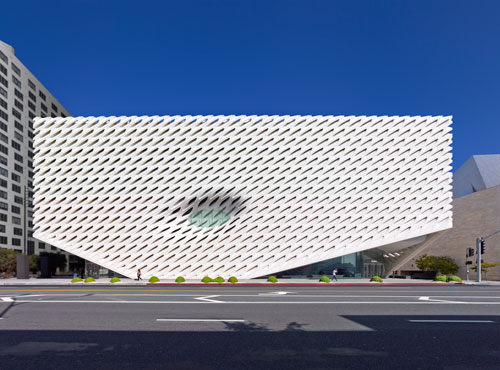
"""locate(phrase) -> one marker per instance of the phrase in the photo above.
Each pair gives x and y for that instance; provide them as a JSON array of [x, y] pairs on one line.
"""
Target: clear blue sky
[[104, 57]]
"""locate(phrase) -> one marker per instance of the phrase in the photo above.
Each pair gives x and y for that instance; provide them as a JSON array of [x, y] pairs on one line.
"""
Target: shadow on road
[[393, 343]]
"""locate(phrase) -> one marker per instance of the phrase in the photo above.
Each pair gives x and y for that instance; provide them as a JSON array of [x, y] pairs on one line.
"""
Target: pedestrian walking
[[139, 274], [334, 274]]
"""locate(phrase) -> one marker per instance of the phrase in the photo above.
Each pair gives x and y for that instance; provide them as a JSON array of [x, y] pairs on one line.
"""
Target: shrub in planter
[[232, 279], [454, 279], [207, 279], [272, 279], [114, 280], [180, 279], [324, 279], [440, 278], [376, 279], [90, 279], [219, 279], [76, 280], [154, 279]]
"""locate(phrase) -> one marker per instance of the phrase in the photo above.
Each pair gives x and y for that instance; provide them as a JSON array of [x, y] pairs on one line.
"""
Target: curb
[[299, 284]]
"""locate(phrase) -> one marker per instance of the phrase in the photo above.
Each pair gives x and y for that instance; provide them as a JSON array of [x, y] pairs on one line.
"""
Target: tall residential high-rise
[[22, 98]]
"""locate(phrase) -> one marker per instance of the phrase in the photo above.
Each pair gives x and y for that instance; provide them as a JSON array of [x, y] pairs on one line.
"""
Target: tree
[[34, 263], [485, 267], [441, 264], [8, 262]]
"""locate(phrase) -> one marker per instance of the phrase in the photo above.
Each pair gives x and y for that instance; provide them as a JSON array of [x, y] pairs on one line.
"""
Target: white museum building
[[244, 196]]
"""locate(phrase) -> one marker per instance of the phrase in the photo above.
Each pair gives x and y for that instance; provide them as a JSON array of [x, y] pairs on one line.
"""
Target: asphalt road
[[218, 327]]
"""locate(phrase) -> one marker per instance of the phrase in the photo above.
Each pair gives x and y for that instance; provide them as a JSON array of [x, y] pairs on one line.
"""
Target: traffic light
[[483, 245], [470, 252]]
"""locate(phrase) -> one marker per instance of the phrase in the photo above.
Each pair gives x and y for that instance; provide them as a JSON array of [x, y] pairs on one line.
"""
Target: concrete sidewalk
[[125, 281]]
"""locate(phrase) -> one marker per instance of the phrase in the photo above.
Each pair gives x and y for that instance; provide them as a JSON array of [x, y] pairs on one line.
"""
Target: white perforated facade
[[237, 195]]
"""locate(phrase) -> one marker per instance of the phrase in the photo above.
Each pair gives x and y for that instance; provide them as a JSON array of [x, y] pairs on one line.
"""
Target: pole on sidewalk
[[478, 254]]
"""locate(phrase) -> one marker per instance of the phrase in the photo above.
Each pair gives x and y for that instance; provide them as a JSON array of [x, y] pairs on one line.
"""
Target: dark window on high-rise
[[3, 69], [18, 136], [15, 145], [18, 168], [2, 228], [16, 113], [31, 174], [3, 240], [16, 220], [44, 107], [31, 245], [3, 126], [18, 199], [16, 241], [3, 104], [4, 138], [41, 95], [30, 154], [4, 82], [54, 107], [18, 157], [3, 92], [18, 105], [17, 189], [18, 126], [4, 115], [3, 183], [41, 245], [4, 206], [18, 94], [31, 84], [4, 172], [32, 96], [4, 149], [31, 115], [15, 69], [3, 194], [3, 217], [4, 160], [31, 105], [15, 209], [18, 231], [53, 115], [4, 57], [16, 81], [15, 177]]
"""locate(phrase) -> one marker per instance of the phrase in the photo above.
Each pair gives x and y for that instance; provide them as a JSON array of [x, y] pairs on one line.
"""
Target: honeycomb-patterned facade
[[237, 195]]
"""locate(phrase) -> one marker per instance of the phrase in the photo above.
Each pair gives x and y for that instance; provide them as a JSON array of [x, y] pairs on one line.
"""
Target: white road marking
[[202, 320], [7, 299], [199, 301], [451, 321], [274, 293], [429, 299], [207, 299]]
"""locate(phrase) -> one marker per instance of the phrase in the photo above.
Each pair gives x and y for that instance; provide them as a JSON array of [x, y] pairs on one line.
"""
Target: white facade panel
[[286, 191]]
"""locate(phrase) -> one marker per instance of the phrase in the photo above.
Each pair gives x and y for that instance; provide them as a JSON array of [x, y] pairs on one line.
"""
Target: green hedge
[[376, 279], [207, 279], [232, 279], [180, 279], [154, 279], [90, 279], [219, 279], [440, 278], [324, 279], [76, 280], [114, 280], [272, 279], [454, 279]]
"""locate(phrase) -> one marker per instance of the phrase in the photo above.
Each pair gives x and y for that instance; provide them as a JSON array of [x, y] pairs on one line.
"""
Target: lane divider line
[[202, 320], [7, 299], [457, 321]]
